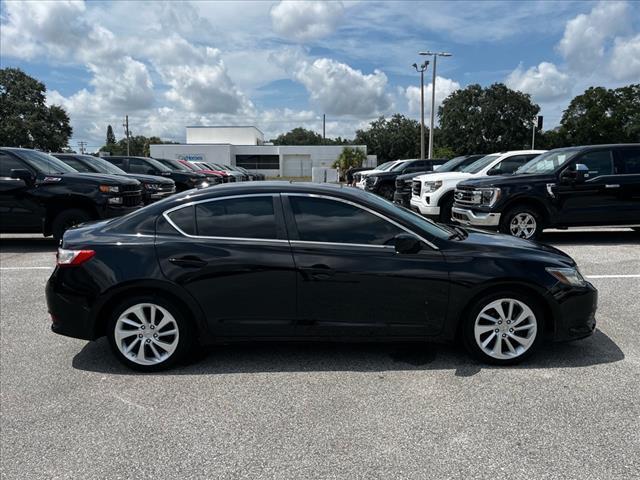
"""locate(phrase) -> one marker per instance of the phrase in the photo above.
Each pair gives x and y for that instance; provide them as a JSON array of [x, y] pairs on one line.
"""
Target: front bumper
[[466, 216], [574, 311], [402, 198], [420, 206]]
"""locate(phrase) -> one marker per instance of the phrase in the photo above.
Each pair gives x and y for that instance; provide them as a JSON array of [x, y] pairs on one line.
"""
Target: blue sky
[[278, 65]]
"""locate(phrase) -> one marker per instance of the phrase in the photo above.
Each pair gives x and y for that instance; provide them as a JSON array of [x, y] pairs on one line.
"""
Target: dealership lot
[[68, 409]]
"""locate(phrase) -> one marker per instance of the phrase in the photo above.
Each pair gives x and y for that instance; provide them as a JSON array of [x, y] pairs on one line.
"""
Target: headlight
[[568, 276], [151, 186], [489, 196], [203, 185], [430, 187], [108, 189]]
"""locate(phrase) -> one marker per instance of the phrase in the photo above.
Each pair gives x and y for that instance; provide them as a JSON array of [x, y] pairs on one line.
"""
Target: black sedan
[[154, 188], [320, 262]]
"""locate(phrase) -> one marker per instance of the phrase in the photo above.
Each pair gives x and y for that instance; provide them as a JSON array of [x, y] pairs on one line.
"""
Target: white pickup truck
[[432, 193]]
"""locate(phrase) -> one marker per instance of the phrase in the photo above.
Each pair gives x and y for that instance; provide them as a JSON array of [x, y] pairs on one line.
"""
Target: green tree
[[139, 146], [602, 115], [25, 118], [298, 136], [485, 120], [392, 139], [350, 157], [111, 138]]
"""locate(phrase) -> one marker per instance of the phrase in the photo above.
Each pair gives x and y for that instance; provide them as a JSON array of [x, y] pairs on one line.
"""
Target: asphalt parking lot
[[69, 410]]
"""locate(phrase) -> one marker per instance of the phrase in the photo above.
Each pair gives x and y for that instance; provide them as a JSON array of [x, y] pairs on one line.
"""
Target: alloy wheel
[[146, 334], [523, 225], [505, 328]]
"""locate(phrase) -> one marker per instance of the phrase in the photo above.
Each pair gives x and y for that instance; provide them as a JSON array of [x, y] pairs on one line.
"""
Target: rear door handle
[[318, 271], [188, 262], [612, 185]]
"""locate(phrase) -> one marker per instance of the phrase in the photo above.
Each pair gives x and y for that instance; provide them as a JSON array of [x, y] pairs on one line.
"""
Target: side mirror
[[582, 173], [405, 244], [23, 174], [494, 171]]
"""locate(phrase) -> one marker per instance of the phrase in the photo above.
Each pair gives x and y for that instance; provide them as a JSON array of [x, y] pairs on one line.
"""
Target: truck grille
[[131, 195], [416, 187], [403, 186]]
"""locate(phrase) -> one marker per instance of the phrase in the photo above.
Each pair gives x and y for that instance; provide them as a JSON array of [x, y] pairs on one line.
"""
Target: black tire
[[67, 219], [469, 323], [445, 209], [387, 191], [185, 340], [513, 212]]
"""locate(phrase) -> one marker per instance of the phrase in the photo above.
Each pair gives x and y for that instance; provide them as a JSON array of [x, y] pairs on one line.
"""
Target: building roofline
[[226, 126]]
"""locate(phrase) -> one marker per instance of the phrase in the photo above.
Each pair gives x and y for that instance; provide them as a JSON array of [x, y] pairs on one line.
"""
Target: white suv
[[432, 193], [361, 176]]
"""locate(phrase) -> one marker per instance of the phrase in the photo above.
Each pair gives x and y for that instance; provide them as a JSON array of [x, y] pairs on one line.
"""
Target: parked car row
[[47, 193]]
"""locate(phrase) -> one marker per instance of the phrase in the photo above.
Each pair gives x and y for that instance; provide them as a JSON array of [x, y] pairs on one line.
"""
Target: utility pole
[[82, 145], [324, 130], [126, 131], [421, 69], [433, 96], [537, 123]]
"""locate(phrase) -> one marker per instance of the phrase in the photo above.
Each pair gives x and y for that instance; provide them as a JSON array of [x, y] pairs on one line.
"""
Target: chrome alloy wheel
[[523, 225], [505, 328], [146, 334]]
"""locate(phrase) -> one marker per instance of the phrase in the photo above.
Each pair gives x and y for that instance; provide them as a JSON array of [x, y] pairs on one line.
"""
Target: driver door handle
[[612, 185], [188, 261]]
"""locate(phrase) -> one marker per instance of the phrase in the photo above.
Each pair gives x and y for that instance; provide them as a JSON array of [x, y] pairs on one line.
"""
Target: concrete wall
[[232, 135]]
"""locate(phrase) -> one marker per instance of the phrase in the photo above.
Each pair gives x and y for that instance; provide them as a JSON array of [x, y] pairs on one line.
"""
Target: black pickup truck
[[154, 188], [383, 183], [41, 194], [150, 166], [402, 195], [567, 187]]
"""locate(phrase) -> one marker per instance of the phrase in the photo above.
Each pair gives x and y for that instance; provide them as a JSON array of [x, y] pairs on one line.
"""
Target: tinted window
[[598, 163], [184, 220], [119, 162], [250, 217], [511, 164], [324, 220], [630, 160], [78, 165], [137, 165], [43, 162], [8, 163], [258, 162]]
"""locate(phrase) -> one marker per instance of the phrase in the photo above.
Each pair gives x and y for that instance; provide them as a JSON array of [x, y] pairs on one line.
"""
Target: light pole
[[421, 69], [433, 94]]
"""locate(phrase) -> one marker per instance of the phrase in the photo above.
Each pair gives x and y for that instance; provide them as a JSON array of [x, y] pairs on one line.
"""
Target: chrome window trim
[[302, 243], [166, 214], [362, 207]]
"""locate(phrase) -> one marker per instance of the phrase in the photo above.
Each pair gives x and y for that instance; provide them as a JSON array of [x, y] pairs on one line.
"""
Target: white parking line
[[26, 268], [614, 276]]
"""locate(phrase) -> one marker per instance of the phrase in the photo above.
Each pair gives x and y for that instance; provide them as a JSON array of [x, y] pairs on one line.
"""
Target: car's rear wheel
[[523, 222], [67, 219], [147, 333], [503, 328]]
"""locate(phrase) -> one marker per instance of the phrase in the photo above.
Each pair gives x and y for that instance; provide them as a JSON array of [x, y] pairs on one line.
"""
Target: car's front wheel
[[147, 333], [523, 222], [504, 328]]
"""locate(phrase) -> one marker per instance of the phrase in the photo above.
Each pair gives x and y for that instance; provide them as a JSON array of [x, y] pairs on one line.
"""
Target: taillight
[[72, 258]]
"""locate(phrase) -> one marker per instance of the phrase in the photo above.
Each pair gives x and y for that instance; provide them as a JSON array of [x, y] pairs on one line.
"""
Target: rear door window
[[247, 217], [331, 221], [599, 163], [629, 161]]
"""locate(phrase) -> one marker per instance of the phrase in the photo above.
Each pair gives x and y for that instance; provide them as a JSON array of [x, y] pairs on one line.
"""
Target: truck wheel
[[386, 191], [503, 328], [67, 219], [445, 209], [522, 221]]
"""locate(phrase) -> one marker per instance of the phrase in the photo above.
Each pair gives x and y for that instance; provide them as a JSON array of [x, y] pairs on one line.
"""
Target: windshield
[[456, 164], [479, 164], [174, 164], [386, 166], [397, 166], [158, 166], [103, 165], [547, 162], [44, 163]]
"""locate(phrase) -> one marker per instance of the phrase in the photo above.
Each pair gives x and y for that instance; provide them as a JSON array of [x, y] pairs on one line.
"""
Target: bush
[[349, 157]]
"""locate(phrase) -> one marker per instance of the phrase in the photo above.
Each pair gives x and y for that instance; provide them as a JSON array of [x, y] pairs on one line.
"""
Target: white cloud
[[339, 89], [588, 35], [625, 59], [444, 88], [306, 20], [544, 82]]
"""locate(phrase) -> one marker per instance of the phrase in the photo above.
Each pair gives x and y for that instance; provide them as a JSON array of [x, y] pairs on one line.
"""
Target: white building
[[245, 147]]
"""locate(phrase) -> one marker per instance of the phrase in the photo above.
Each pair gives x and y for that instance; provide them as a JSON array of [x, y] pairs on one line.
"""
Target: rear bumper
[[574, 312], [70, 312], [466, 216]]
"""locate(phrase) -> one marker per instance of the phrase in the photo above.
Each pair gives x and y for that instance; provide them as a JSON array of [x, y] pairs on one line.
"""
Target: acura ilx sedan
[[319, 262]]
